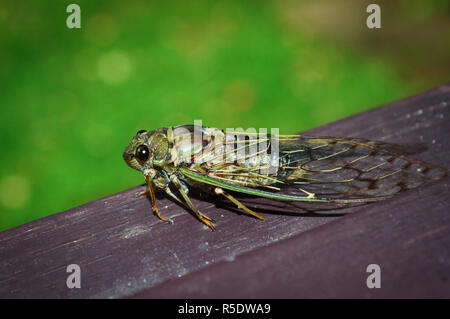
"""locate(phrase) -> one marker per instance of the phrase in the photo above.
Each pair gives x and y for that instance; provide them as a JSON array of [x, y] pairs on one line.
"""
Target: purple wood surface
[[123, 250]]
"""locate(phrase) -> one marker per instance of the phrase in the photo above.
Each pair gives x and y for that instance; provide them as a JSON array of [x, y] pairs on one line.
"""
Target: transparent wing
[[323, 168], [348, 169]]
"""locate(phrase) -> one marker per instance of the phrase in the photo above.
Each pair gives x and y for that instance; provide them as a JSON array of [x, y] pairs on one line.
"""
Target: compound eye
[[142, 153]]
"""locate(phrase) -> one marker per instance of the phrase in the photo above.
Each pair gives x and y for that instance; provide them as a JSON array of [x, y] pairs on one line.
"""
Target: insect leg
[[202, 217], [169, 192], [160, 181], [140, 194], [152, 196], [166, 188], [220, 191], [310, 195]]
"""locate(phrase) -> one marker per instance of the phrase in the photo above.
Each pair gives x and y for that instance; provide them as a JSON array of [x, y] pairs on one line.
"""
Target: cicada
[[281, 167]]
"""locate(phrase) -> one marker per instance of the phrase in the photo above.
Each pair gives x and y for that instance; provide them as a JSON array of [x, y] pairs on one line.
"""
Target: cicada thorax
[[236, 157], [159, 146], [191, 144]]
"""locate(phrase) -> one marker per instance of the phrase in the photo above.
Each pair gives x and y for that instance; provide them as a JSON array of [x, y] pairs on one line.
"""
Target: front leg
[[143, 193], [183, 189], [159, 182], [153, 199]]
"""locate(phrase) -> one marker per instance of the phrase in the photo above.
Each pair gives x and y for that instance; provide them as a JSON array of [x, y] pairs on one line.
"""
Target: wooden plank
[[123, 250], [410, 243]]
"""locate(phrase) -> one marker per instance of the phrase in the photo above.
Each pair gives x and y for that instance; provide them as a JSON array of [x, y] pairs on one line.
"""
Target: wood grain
[[125, 251]]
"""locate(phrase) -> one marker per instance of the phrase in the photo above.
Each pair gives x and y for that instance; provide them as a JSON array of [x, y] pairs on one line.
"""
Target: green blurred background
[[71, 99]]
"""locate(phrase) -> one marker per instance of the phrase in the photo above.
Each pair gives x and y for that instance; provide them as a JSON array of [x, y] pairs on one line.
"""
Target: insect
[[281, 167]]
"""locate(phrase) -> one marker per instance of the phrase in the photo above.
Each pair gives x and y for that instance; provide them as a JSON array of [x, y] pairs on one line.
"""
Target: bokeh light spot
[[114, 67], [15, 191]]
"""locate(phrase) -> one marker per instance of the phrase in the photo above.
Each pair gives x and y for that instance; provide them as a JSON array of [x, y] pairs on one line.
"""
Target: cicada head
[[147, 149]]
